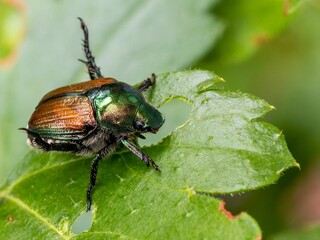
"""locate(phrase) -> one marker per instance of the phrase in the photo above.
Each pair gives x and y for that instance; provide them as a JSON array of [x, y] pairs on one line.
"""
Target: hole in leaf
[[222, 208], [82, 223], [176, 113], [234, 202]]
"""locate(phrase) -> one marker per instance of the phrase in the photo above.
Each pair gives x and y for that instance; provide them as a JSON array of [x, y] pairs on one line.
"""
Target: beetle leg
[[93, 69], [135, 150], [93, 176], [147, 83], [94, 172]]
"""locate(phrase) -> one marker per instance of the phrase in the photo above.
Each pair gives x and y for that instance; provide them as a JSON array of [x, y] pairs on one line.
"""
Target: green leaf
[[129, 39], [12, 28], [222, 148], [309, 233], [249, 25], [277, 74], [291, 6], [223, 134]]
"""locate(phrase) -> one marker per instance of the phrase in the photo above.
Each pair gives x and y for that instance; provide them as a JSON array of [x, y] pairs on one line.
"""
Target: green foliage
[[222, 148], [11, 30], [249, 25], [310, 233], [286, 73]]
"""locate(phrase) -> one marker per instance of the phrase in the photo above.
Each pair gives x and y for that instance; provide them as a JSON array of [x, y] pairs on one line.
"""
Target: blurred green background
[[270, 48]]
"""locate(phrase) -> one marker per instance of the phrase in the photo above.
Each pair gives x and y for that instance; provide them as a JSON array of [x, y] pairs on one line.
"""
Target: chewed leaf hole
[[176, 113], [223, 209], [82, 223]]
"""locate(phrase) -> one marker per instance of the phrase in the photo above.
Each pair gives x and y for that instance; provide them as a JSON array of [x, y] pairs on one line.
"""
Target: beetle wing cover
[[67, 117], [78, 87]]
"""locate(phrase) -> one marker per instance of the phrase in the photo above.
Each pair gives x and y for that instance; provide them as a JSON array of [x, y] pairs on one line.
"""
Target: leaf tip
[[220, 79], [272, 107], [296, 164]]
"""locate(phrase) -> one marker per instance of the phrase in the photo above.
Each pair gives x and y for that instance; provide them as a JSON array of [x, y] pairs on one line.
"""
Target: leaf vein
[[108, 233], [27, 208]]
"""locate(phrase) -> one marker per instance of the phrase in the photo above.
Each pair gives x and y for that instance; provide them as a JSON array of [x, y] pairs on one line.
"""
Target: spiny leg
[[147, 83], [94, 172], [93, 69], [135, 150], [93, 176]]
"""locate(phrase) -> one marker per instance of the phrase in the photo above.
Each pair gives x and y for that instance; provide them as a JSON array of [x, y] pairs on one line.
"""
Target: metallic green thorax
[[119, 107]]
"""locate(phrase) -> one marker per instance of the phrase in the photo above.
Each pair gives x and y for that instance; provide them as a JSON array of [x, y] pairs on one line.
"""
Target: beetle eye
[[139, 125]]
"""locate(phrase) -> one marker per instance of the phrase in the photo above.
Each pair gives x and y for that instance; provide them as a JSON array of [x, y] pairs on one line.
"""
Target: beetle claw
[[88, 205], [139, 135], [155, 166]]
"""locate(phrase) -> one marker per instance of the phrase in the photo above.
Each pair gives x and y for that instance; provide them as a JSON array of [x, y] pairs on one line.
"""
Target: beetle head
[[123, 109], [148, 119]]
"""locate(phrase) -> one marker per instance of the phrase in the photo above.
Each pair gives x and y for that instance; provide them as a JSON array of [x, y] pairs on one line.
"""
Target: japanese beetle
[[94, 117]]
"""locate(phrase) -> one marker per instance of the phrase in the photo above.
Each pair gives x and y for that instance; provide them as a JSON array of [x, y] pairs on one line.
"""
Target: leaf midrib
[[24, 206]]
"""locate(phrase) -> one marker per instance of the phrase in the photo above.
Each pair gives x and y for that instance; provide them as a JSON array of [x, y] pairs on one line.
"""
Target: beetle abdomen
[[67, 117]]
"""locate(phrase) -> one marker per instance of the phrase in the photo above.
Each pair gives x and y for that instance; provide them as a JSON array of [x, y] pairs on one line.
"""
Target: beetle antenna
[[93, 69]]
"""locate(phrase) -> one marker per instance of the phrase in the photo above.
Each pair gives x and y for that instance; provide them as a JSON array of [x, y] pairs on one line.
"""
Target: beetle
[[94, 117]]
